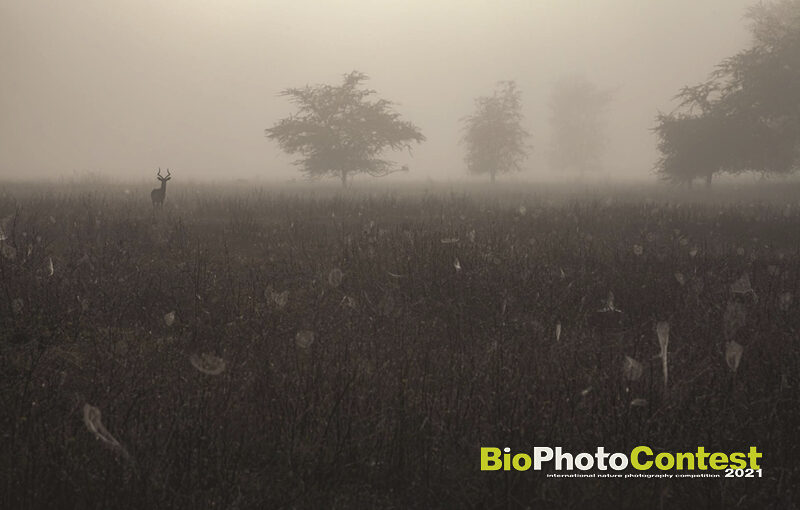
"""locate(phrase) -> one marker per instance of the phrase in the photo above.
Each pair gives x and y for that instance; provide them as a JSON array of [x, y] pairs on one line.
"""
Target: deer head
[[161, 177]]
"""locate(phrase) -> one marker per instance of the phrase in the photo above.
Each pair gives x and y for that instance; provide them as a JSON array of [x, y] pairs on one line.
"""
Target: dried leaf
[[349, 302], [733, 354], [169, 318], [303, 339], [662, 329], [279, 299], [93, 422], [742, 285], [632, 369], [335, 277], [208, 363]]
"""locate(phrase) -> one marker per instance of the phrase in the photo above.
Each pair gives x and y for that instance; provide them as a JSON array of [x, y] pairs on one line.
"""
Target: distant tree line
[[745, 117], [343, 130]]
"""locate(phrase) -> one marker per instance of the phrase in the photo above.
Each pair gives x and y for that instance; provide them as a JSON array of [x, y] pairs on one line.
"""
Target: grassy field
[[299, 347]]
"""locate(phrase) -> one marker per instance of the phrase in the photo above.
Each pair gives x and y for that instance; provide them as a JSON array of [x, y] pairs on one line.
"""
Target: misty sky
[[124, 86]]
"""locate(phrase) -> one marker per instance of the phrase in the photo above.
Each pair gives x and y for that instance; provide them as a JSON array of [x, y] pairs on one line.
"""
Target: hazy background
[[122, 87]]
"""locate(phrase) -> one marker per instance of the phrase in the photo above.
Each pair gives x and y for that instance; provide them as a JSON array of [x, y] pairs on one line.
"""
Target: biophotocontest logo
[[673, 465]]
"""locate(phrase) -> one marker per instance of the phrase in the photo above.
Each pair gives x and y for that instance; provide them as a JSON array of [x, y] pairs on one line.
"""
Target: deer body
[[158, 194]]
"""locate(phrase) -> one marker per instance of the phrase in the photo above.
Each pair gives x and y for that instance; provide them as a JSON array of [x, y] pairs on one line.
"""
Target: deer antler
[[159, 171], [168, 174]]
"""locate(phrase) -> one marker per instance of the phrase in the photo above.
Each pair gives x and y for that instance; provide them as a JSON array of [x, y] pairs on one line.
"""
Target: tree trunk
[[344, 179], [708, 180], [689, 183]]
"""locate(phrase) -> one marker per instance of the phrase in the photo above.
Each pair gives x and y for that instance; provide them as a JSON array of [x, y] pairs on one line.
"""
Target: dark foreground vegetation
[[323, 349]]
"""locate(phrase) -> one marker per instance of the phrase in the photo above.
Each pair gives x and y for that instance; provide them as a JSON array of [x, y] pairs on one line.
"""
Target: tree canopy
[[342, 130], [493, 134], [578, 139], [746, 116]]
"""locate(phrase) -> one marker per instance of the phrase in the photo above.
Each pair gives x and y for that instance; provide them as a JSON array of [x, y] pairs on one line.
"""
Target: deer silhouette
[[158, 194]]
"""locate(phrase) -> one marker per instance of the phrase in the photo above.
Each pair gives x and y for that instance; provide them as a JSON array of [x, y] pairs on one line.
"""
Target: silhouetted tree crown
[[493, 135], [342, 130], [746, 116]]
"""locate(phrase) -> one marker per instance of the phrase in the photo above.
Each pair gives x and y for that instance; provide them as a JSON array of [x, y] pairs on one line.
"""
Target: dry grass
[[376, 387]]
